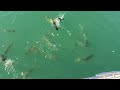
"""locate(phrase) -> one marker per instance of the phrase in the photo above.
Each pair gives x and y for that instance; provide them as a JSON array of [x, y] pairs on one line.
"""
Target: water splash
[[9, 66]]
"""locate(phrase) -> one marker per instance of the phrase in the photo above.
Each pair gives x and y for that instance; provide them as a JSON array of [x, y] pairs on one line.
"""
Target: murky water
[[86, 44]]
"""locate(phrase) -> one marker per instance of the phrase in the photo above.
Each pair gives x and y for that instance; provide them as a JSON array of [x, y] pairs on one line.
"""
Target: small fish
[[8, 48], [9, 30], [88, 57], [78, 43], [31, 50], [3, 57], [86, 43], [25, 75], [85, 40]]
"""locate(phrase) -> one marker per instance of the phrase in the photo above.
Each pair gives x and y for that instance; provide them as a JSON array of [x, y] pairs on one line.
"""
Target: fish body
[[25, 75], [88, 57], [3, 56], [9, 30], [7, 49], [32, 50]]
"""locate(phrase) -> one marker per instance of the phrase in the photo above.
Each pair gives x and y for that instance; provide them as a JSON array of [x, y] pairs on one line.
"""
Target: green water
[[59, 60]]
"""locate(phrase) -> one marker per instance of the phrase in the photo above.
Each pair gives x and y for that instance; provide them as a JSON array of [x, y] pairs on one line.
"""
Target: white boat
[[106, 75]]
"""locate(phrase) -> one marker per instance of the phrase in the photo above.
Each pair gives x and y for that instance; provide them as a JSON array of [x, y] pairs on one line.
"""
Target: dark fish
[[88, 57], [26, 74], [3, 57], [9, 30], [7, 49], [32, 50]]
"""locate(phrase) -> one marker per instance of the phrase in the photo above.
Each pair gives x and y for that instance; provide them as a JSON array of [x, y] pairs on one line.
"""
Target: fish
[[25, 75], [85, 40], [8, 48], [9, 30], [88, 57], [86, 43], [32, 50], [3, 56]]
